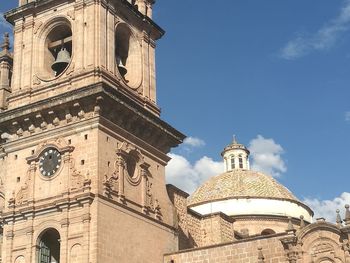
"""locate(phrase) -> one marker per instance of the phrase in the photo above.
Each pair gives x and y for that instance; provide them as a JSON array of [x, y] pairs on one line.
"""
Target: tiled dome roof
[[240, 184]]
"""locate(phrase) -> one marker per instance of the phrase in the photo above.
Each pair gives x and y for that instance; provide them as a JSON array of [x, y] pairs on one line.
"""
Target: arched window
[[240, 159], [49, 247], [233, 165]]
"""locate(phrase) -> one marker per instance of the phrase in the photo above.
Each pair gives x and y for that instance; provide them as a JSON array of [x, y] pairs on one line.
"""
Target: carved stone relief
[[77, 179], [23, 194], [129, 166], [346, 246], [322, 247], [111, 181]]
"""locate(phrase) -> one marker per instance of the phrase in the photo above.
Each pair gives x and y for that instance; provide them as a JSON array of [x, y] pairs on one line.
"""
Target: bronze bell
[[62, 61], [122, 69]]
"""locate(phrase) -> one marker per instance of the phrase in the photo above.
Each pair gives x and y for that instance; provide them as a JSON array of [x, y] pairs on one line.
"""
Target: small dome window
[[233, 165], [267, 232], [240, 160]]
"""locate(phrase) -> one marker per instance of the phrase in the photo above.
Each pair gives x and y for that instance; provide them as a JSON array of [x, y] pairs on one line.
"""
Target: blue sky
[[275, 73]]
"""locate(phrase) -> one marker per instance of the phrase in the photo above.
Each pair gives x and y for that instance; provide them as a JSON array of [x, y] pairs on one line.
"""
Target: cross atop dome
[[236, 156]]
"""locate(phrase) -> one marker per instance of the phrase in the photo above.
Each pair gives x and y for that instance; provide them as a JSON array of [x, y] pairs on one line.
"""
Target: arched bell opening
[[58, 50], [128, 56], [49, 246]]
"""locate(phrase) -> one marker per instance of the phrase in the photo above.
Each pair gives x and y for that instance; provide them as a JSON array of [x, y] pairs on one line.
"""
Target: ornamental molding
[[77, 180], [292, 247], [130, 167], [59, 143], [129, 114]]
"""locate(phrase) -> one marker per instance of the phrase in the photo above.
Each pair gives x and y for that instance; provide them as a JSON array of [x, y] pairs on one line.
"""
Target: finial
[[290, 225], [234, 141], [302, 222], [338, 218], [260, 255], [347, 215], [6, 44]]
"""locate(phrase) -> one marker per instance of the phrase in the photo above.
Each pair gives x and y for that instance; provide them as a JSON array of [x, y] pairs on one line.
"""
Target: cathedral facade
[[83, 152]]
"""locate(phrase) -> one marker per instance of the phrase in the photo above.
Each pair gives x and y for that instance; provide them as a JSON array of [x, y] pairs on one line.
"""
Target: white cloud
[[347, 116], [327, 208], [193, 142], [190, 143], [325, 38], [181, 173], [266, 156]]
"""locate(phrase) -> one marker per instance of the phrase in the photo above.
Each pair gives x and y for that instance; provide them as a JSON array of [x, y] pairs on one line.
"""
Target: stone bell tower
[[82, 148]]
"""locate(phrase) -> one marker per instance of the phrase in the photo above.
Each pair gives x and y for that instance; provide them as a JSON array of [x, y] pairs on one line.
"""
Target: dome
[[242, 192], [240, 184]]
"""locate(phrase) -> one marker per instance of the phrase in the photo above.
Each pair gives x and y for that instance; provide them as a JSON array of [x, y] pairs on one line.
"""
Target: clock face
[[49, 162]]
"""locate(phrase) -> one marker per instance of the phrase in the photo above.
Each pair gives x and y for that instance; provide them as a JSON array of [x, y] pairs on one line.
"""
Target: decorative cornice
[[39, 5], [85, 103], [55, 204]]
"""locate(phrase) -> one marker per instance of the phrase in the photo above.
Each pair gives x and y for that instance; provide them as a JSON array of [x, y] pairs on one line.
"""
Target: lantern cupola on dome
[[236, 156]]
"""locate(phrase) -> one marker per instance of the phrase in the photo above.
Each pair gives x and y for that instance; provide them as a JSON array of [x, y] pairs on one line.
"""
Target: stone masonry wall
[[216, 229], [238, 252], [179, 200]]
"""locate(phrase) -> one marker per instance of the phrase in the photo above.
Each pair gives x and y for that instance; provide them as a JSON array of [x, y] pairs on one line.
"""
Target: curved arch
[[49, 246], [50, 224], [316, 227], [52, 23], [267, 231], [57, 28], [128, 52], [75, 253], [133, 161], [324, 260], [20, 259]]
